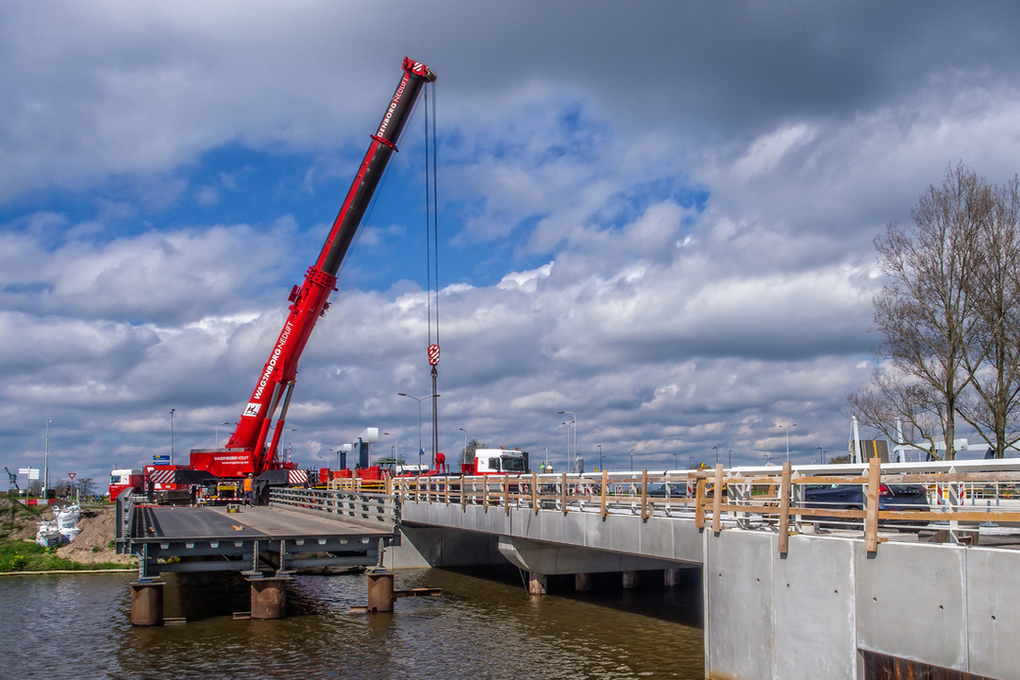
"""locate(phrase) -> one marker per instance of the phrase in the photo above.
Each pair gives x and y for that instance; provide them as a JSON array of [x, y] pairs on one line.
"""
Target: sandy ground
[[91, 546]]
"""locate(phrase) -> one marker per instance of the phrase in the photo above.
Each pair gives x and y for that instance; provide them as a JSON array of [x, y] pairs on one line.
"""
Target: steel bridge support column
[[269, 597], [630, 580], [671, 578], [536, 583], [583, 583], [380, 591], [147, 603]]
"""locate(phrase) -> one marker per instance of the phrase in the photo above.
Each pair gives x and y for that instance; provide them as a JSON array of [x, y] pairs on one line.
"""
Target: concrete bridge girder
[[550, 559]]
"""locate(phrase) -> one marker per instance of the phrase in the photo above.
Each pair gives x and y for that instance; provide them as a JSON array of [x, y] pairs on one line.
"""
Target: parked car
[[891, 497]]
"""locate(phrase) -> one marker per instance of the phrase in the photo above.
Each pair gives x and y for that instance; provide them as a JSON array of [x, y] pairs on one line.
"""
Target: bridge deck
[[209, 523]]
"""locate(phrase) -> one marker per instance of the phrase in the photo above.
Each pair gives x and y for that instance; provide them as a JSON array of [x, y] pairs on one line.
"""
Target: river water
[[484, 625]]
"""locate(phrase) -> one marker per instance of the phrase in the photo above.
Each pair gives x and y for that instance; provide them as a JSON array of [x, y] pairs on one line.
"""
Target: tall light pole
[[172, 435], [676, 460], [46, 460], [600, 458], [218, 433], [690, 462], [463, 455], [283, 438], [632, 460], [396, 446], [716, 449], [820, 461], [546, 459], [788, 428], [419, 400], [573, 418], [566, 463], [729, 461]]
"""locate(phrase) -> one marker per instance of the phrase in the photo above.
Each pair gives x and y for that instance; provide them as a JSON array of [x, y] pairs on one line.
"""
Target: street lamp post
[[632, 460], [46, 461], [172, 435], [788, 427], [820, 460], [283, 439], [690, 462], [729, 459], [600, 458], [218, 433], [566, 462], [573, 418], [396, 446], [546, 458], [463, 455], [716, 449], [676, 460], [419, 400]]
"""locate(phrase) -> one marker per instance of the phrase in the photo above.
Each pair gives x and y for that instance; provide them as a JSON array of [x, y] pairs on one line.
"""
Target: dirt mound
[[94, 543]]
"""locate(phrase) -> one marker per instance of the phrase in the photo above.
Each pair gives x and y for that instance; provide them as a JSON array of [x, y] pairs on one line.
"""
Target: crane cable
[[432, 260]]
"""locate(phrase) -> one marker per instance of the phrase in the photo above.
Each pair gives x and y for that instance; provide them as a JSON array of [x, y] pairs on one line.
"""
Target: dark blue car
[[891, 497]]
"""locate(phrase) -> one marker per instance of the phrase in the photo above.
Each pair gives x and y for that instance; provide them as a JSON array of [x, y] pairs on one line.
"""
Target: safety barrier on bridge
[[377, 510], [946, 502]]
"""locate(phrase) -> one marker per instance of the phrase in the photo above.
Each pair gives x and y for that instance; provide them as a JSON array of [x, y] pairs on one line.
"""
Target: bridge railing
[[377, 510], [948, 502]]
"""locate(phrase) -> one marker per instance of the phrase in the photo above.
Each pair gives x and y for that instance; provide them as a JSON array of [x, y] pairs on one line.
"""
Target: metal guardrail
[[377, 510], [962, 499]]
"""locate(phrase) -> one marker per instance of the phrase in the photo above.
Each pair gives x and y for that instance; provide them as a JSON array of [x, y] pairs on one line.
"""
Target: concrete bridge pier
[[630, 580], [269, 596], [147, 603], [671, 577], [537, 583], [584, 582]]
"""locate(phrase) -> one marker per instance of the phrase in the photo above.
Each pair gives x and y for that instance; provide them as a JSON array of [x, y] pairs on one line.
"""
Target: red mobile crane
[[247, 450]]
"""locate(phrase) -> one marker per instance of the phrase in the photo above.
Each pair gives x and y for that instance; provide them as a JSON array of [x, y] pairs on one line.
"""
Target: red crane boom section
[[309, 301]]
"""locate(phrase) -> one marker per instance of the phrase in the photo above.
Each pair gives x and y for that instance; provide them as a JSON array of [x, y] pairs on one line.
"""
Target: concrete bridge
[[786, 595]]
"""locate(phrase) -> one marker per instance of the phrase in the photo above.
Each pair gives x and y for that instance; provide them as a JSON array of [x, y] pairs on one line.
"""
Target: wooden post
[[485, 495], [563, 492], [644, 495], [534, 492], [605, 485], [784, 509], [717, 500], [699, 503], [871, 516]]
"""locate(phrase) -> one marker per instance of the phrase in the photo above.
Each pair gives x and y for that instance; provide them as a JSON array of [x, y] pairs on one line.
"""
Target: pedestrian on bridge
[[249, 491]]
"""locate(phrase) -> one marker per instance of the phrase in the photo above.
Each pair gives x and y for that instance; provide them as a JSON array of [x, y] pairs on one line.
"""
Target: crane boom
[[309, 301]]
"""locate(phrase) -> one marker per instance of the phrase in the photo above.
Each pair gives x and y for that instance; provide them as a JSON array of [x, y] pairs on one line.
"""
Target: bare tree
[[993, 357], [926, 309], [904, 412]]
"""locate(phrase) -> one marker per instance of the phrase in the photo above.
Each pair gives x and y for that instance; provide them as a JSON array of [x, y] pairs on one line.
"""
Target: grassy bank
[[21, 556]]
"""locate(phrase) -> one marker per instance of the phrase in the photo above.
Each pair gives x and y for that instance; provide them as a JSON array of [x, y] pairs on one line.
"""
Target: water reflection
[[484, 625]]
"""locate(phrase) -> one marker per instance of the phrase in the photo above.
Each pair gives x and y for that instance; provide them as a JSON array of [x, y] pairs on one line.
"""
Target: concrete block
[[624, 533], [657, 538], [910, 602], [993, 589], [739, 617], [813, 596], [687, 540]]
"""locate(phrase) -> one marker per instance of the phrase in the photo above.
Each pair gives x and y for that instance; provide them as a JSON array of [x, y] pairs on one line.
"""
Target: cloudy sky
[[656, 215]]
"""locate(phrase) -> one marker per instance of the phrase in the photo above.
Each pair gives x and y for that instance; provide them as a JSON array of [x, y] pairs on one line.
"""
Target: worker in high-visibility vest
[[249, 490]]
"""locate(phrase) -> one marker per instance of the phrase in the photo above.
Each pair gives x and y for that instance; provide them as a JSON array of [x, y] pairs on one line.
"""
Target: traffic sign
[[33, 473], [71, 474]]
